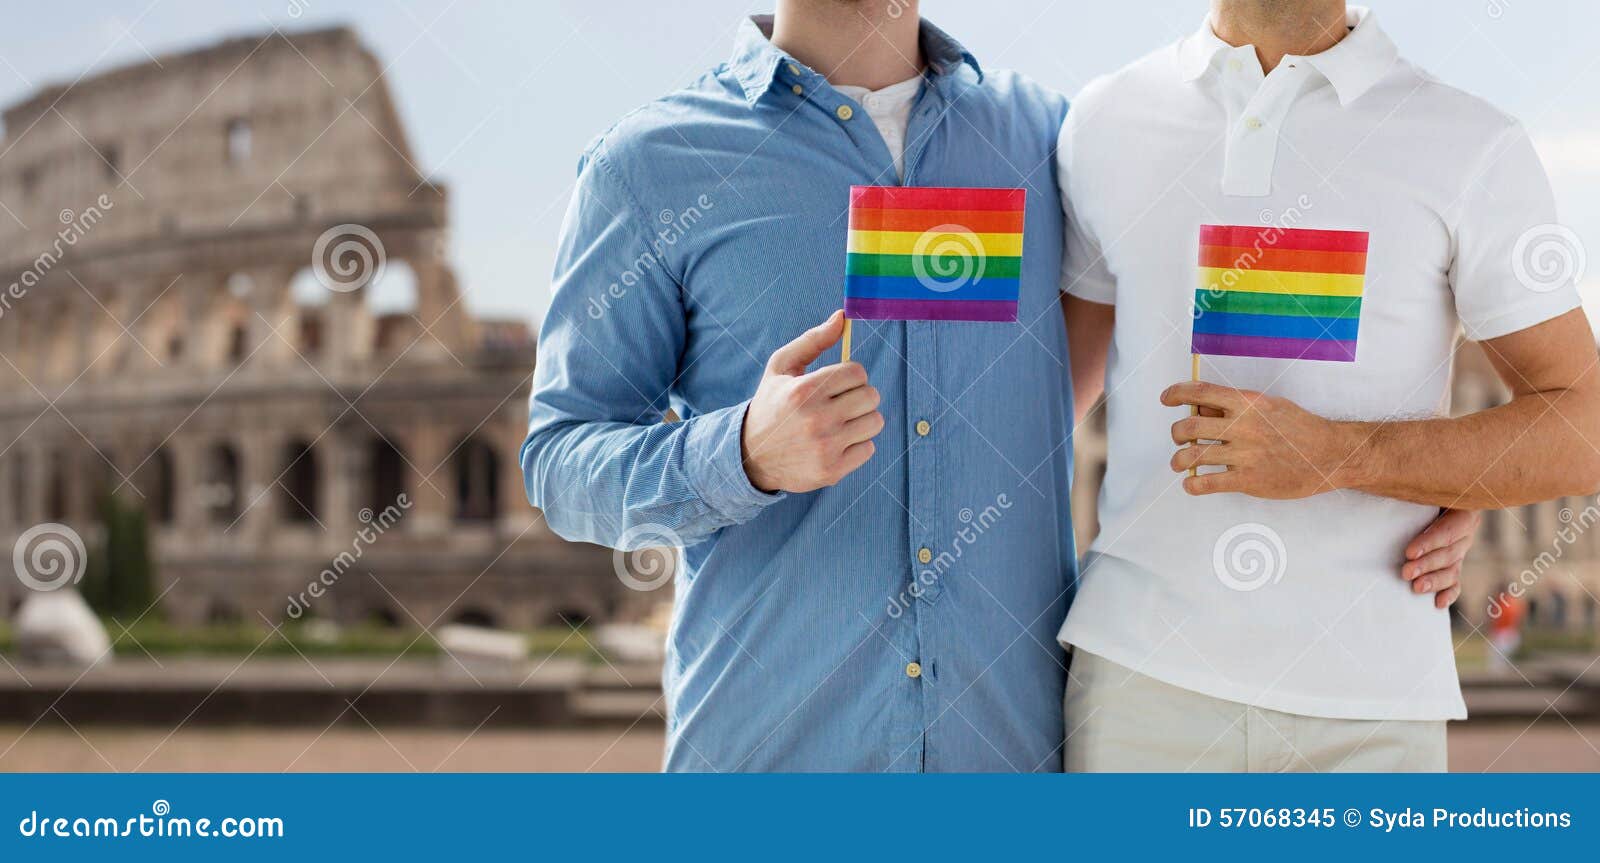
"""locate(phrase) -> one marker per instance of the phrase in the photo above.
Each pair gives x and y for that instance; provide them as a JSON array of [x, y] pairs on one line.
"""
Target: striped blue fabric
[[707, 230]]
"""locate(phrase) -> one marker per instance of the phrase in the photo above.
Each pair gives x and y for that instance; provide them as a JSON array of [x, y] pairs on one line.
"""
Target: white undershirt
[[890, 110]]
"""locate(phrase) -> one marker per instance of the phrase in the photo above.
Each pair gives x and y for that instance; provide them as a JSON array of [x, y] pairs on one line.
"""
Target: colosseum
[[227, 296]]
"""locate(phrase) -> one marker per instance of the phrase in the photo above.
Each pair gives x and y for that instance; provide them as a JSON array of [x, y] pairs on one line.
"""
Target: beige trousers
[[1120, 721]]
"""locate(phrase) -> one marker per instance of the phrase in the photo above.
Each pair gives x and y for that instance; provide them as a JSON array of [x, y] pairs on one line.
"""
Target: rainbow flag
[[932, 254], [1284, 293]]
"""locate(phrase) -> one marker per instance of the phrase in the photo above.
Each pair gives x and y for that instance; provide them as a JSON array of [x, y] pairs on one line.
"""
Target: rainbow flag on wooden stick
[[933, 254], [1283, 293]]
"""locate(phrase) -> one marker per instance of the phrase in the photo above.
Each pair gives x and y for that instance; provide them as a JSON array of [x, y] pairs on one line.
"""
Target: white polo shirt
[[1289, 605]]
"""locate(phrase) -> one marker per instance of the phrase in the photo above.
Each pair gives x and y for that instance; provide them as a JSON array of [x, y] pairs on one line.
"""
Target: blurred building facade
[[1551, 550], [195, 249]]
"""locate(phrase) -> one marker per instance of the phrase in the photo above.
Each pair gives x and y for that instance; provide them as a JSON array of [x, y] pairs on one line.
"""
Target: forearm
[[1536, 447], [1089, 331], [622, 485]]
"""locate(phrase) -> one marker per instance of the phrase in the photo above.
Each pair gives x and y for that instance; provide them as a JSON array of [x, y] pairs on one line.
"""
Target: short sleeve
[[1084, 273], [1514, 266]]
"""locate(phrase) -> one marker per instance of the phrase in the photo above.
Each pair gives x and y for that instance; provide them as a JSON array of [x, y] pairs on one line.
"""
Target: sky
[[499, 96]]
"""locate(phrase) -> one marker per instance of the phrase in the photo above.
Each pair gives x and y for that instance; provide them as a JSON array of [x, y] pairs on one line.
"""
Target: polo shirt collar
[[1199, 50], [1352, 66], [756, 62], [1360, 59]]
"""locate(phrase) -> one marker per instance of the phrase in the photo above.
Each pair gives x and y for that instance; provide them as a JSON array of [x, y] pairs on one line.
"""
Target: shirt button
[[793, 69], [845, 112], [798, 89], [1253, 123], [1234, 65], [924, 555], [913, 670], [923, 428]]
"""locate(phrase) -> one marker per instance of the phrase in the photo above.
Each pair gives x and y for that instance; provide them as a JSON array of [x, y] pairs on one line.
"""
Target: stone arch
[[299, 484], [21, 504], [222, 612], [227, 325], [392, 301], [223, 491], [26, 341], [55, 487], [396, 291], [388, 473], [61, 350], [164, 326], [105, 349], [573, 613], [310, 299], [1557, 609], [475, 616], [475, 469], [155, 480]]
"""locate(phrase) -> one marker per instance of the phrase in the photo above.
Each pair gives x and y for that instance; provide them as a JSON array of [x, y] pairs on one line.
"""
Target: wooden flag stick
[[1194, 375], [844, 352]]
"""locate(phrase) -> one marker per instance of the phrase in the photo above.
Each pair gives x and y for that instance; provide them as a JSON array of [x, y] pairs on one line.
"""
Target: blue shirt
[[905, 618]]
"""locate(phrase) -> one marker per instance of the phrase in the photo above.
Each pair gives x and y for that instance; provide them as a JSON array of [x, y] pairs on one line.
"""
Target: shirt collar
[[756, 62], [1352, 66], [1360, 59]]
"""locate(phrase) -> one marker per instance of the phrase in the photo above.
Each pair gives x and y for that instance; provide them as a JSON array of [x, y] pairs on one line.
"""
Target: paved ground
[[1546, 746]]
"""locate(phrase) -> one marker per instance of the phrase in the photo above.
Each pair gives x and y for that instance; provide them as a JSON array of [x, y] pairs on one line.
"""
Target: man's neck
[[855, 43], [1279, 27]]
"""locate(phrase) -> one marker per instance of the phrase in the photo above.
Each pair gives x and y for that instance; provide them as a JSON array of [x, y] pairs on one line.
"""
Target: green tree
[[120, 578]]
